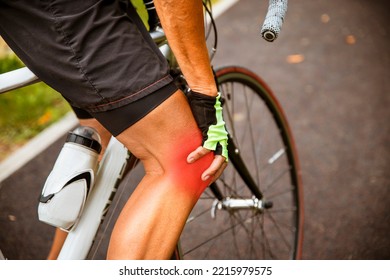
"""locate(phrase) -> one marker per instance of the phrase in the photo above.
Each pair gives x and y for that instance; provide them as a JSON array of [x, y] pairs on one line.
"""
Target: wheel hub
[[236, 204]]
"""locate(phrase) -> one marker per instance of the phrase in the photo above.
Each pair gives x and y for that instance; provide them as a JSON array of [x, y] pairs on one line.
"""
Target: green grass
[[26, 112]]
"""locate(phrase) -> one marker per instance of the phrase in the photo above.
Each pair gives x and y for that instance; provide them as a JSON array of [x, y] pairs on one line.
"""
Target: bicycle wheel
[[262, 221]]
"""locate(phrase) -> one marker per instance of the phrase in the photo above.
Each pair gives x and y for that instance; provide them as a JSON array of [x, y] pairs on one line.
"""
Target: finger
[[197, 154], [216, 165], [219, 172]]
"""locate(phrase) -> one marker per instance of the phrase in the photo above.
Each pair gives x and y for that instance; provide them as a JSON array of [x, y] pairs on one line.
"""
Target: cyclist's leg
[[104, 134], [152, 220], [58, 241]]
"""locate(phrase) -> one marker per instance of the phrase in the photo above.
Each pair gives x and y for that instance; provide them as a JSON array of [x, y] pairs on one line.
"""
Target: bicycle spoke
[[252, 134], [284, 225], [192, 218], [241, 221], [280, 232], [208, 194], [222, 232], [234, 236], [265, 242], [277, 178], [280, 193], [230, 191]]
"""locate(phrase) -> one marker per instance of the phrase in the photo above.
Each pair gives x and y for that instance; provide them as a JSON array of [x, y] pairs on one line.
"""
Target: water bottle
[[67, 187]]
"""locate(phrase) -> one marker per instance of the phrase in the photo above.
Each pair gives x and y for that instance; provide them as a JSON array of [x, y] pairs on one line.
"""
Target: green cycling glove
[[207, 111]]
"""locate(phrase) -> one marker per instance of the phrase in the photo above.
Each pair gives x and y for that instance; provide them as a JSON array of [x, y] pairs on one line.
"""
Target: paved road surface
[[335, 91]]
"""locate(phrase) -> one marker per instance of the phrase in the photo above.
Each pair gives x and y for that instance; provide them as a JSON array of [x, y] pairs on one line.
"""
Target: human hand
[[207, 111], [215, 169]]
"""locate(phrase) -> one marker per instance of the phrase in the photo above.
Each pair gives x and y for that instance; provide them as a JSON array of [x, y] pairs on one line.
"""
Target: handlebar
[[16, 79], [274, 19]]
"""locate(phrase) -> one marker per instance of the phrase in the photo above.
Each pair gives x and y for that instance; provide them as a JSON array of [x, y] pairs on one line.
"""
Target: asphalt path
[[330, 70]]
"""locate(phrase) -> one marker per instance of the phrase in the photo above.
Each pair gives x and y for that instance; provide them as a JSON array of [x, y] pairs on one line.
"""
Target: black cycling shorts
[[97, 54]]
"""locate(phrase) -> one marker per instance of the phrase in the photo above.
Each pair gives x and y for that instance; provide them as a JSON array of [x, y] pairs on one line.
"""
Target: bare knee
[[183, 177]]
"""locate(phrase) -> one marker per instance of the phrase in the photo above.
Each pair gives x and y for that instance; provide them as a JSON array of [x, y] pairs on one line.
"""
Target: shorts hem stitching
[[130, 98]]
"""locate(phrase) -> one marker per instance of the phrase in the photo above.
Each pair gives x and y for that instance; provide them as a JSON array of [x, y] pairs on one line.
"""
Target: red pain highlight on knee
[[189, 175]]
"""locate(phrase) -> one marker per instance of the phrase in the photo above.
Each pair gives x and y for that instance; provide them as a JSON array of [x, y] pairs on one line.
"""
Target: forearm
[[184, 27]]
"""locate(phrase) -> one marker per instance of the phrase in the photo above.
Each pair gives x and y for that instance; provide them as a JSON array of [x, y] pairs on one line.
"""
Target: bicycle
[[255, 209]]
